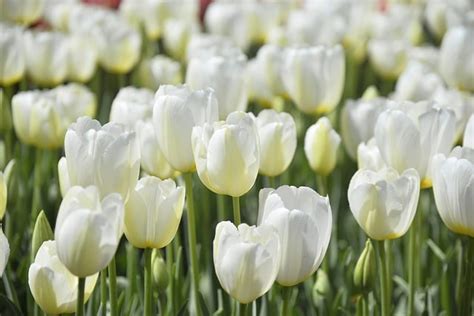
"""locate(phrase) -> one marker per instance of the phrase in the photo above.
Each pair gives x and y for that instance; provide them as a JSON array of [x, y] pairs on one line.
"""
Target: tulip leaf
[[436, 250], [7, 307], [182, 309]]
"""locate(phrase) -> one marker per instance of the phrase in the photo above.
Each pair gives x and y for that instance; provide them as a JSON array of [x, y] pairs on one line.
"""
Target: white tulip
[[82, 58], [153, 212], [303, 220], [4, 251], [246, 259], [410, 139], [314, 77], [152, 160], [177, 33], [105, 156], [131, 105], [148, 14], [227, 154], [76, 100], [157, 71], [204, 45], [277, 136], [384, 202], [12, 59], [388, 57], [176, 111], [88, 230], [22, 12], [321, 143], [3, 195], [425, 55], [453, 188], [468, 139], [270, 60], [226, 76], [369, 157], [53, 287], [256, 85]]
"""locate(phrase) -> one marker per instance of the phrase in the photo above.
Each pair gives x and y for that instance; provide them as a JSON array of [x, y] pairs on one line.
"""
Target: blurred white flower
[[82, 58], [369, 157], [203, 45], [177, 34], [270, 60], [158, 70], [388, 57], [12, 59], [22, 12], [3, 194], [468, 139], [131, 105], [4, 251]]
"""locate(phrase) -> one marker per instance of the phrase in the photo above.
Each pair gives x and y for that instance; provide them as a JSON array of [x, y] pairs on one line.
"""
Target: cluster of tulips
[[344, 129]]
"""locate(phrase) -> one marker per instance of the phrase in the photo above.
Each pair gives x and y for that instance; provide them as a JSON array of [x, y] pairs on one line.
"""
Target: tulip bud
[[157, 71], [53, 287], [131, 105], [88, 230], [388, 57], [246, 259], [161, 276], [384, 202], [227, 154], [365, 269], [176, 36], [298, 215], [41, 233], [82, 58], [12, 59], [4, 251], [3, 195], [322, 288], [468, 139], [277, 136], [321, 143]]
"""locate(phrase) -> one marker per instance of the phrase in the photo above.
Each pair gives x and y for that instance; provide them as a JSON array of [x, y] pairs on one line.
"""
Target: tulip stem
[[383, 276], [147, 282], [191, 223], [285, 311], [103, 291], [113, 288], [468, 267], [243, 309], [236, 208], [411, 263], [80, 297]]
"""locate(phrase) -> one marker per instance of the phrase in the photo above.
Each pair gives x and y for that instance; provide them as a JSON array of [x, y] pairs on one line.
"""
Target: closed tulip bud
[[22, 12], [257, 88], [89, 150], [177, 33], [82, 58], [161, 276], [322, 288], [456, 63], [226, 76], [227, 154], [76, 100], [157, 71], [468, 139], [12, 59], [246, 259], [4, 251], [321, 143], [453, 188], [153, 212], [46, 57], [53, 287], [88, 230], [417, 83], [388, 57], [184, 108], [314, 77], [408, 139], [302, 219], [41, 233], [384, 202], [3, 194], [365, 270], [270, 60], [369, 157], [131, 105], [358, 120], [277, 136], [152, 160]]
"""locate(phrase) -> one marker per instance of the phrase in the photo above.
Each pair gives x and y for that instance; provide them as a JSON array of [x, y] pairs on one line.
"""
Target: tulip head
[[321, 143], [157, 71], [88, 230], [82, 58], [369, 157], [41, 233], [131, 105], [365, 269], [302, 219], [53, 287], [384, 202], [246, 259], [161, 275], [22, 12], [227, 154], [3, 194], [12, 59], [277, 136], [388, 57], [4, 251], [468, 139], [153, 212]]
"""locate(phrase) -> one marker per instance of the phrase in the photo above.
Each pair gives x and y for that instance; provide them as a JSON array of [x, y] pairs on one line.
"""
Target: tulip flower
[[177, 33], [157, 71], [153, 212], [314, 77], [82, 58], [468, 139], [409, 138], [456, 64], [131, 105], [388, 57], [146, 14], [152, 160], [320, 146], [226, 76], [453, 188], [270, 60], [302, 219], [105, 156], [257, 88], [23, 12], [3, 194], [53, 287], [12, 59], [88, 230], [227, 154], [364, 271], [246, 259], [384, 202], [204, 45], [176, 111], [4, 251], [277, 137], [369, 157]]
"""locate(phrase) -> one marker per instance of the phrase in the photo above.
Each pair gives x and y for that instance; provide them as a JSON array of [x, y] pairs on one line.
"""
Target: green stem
[[468, 267], [285, 308], [131, 272], [382, 269], [80, 297], [191, 221], [147, 283], [221, 213], [322, 182], [236, 208], [243, 309], [113, 288], [37, 175], [272, 182], [445, 291], [103, 291], [389, 267], [169, 264], [412, 263]]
